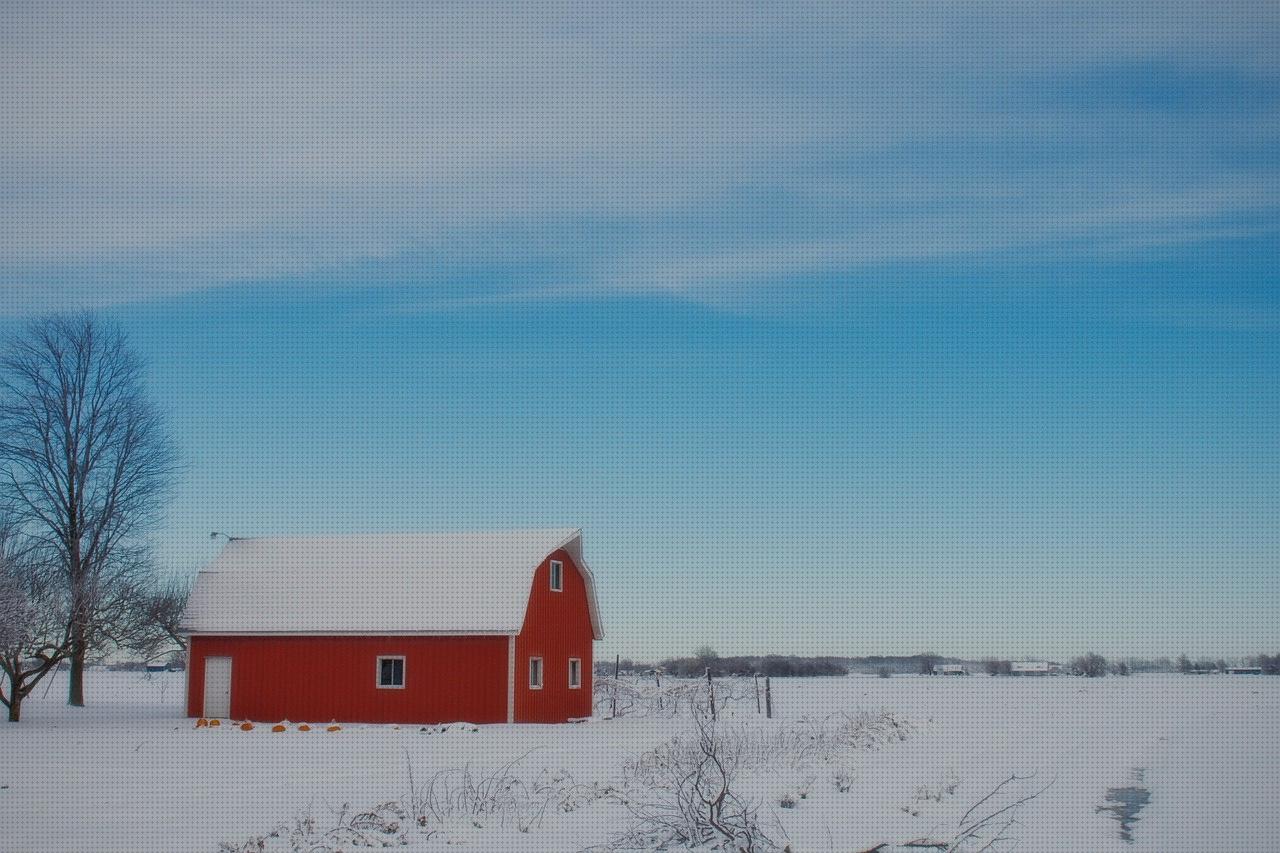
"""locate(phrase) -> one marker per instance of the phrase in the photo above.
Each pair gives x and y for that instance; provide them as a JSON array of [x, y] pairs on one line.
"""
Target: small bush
[[498, 795], [684, 793], [380, 826]]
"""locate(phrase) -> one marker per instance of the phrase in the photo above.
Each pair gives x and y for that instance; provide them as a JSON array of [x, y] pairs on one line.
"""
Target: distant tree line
[[774, 666], [696, 666], [1270, 663], [1091, 665]]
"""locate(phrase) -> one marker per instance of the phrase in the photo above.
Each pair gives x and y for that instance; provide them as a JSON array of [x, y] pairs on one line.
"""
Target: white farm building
[[1030, 667], [950, 669]]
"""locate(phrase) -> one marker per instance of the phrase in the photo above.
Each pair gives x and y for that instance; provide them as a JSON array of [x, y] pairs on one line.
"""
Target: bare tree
[[1092, 665], [86, 461], [154, 629], [33, 620], [998, 667]]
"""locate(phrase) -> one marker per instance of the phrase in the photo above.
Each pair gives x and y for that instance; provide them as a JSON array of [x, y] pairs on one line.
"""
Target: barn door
[[217, 687]]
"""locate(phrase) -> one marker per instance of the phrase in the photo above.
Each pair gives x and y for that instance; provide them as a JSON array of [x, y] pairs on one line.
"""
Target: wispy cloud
[[152, 149], [1120, 221]]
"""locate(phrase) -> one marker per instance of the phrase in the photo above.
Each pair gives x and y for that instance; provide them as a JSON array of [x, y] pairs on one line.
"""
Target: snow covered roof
[[454, 583]]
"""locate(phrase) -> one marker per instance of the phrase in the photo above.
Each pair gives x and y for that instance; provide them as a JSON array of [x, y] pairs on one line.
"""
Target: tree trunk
[[14, 702], [79, 613], [75, 693]]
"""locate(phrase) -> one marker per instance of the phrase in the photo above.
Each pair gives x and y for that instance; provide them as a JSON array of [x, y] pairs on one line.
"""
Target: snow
[[455, 583], [130, 773]]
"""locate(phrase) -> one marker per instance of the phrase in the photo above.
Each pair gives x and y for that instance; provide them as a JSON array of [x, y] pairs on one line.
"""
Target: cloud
[[153, 149], [1097, 219]]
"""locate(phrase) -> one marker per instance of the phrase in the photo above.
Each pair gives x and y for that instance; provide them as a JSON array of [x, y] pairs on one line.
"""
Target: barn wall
[[557, 626], [318, 679]]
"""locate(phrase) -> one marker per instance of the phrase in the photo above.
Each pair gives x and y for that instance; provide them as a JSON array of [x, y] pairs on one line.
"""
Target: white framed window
[[391, 672], [557, 576], [535, 673], [575, 673]]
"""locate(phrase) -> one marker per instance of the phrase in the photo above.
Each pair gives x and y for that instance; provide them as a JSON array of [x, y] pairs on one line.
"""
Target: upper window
[[391, 672], [575, 673], [535, 673], [557, 576]]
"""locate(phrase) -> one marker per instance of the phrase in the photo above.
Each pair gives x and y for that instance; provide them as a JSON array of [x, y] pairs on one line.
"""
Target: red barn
[[483, 627]]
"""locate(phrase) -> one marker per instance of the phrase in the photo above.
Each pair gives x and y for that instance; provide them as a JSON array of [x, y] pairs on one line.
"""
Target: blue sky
[[839, 330]]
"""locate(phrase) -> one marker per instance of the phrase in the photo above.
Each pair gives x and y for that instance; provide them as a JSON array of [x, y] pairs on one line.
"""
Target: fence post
[[657, 683], [614, 711], [768, 699], [711, 694], [757, 681]]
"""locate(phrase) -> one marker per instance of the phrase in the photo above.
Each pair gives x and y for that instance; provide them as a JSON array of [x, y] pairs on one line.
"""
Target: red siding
[[318, 679], [557, 626]]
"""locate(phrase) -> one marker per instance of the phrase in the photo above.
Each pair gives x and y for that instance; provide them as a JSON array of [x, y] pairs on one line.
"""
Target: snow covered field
[[1199, 757]]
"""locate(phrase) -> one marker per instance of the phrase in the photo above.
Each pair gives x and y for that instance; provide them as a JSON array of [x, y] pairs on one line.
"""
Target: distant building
[[949, 669], [1244, 670], [1030, 667]]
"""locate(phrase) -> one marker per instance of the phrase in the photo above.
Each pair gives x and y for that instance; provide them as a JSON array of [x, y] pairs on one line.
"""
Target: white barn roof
[[456, 583]]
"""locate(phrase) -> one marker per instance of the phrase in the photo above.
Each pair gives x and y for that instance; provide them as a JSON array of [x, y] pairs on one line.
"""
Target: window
[[575, 673], [535, 673], [557, 576], [391, 673]]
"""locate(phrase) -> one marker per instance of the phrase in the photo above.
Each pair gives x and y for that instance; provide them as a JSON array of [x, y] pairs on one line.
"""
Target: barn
[[483, 627]]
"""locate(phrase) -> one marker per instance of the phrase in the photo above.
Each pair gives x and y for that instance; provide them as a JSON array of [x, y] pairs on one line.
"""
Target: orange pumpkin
[[334, 728], [304, 728], [201, 723], [277, 728], [246, 726], [213, 724]]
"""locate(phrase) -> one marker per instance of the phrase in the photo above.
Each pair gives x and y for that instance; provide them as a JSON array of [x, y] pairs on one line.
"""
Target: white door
[[217, 687]]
